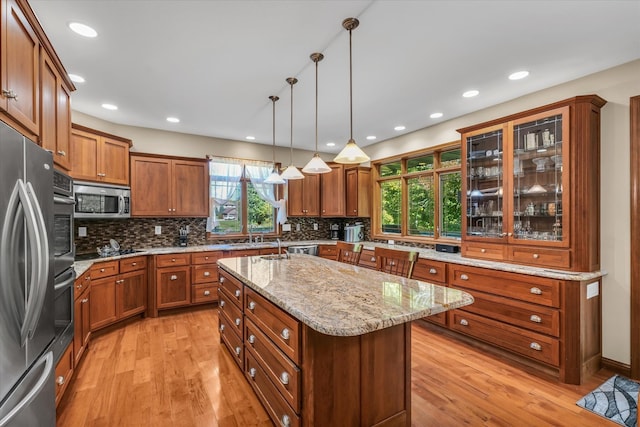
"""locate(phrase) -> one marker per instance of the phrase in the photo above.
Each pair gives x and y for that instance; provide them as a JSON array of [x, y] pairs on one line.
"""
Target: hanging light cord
[[350, 90], [273, 99], [318, 60], [291, 137]]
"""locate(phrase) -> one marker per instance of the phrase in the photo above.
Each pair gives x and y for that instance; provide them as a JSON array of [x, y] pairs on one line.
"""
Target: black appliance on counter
[[336, 231]]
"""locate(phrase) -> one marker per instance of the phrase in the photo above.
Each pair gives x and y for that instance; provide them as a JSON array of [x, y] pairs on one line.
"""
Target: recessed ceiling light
[[109, 107], [173, 120], [83, 30], [76, 78], [435, 115], [399, 128], [250, 138], [518, 75], [371, 137], [331, 144], [470, 93]]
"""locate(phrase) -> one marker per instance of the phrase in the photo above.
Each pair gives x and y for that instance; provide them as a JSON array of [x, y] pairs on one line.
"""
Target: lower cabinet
[[328, 251], [433, 272], [64, 371], [81, 324]]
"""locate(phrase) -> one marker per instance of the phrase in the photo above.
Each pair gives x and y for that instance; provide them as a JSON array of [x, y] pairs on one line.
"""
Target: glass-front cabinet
[[524, 177]]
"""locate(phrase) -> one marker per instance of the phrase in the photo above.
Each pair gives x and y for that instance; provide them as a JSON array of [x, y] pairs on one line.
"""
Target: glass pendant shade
[[316, 165], [351, 154], [292, 172], [274, 178]]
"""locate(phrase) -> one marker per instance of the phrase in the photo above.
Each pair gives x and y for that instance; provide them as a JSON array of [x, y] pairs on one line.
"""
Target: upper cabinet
[[99, 157], [164, 186], [358, 189], [531, 185], [332, 197], [304, 196]]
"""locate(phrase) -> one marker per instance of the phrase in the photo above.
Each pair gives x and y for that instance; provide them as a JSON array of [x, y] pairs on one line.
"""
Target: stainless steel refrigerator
[[27, 390]]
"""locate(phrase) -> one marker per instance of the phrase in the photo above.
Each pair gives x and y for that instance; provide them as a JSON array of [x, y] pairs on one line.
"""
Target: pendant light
[[316, 164], [351, 153], [292, 172], [274, 178]]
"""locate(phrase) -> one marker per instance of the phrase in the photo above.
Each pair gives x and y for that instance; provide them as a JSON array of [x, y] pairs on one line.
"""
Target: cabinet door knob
[[222, 303], [238, 349], [102, 270], [207, 274], [87, 278], [133, 264], [237, 293], [238, 321], [535, 318], [284, 378], [221, 328], [464, 277], [373, 259], [60, 380], [535, 291], [432, 271], [222, 279], [86, 300], [252, 305], [483, 250], [535, 346], [252, 372], [509, 234], [78, 286], [464, 322], [285, 334], [173, 260], [206, 258], [174, 277], [535, 256], [61, 153], [286, 421], [10, 94], [251, 339], [207, 293]]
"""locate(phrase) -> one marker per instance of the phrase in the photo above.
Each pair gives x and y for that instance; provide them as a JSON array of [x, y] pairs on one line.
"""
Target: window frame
[[404, 176]]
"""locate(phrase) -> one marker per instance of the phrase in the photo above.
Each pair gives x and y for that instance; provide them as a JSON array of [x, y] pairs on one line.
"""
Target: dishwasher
[[303, 249]]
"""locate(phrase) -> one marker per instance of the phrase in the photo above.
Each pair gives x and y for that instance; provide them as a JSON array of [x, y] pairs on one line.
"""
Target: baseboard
[[617, 367]]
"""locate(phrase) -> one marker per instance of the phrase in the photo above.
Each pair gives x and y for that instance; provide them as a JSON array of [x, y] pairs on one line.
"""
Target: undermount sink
[[274, 257]]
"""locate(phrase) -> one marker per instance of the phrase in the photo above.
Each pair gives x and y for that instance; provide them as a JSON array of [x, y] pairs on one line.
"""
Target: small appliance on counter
[[336, 231], [353, 233]]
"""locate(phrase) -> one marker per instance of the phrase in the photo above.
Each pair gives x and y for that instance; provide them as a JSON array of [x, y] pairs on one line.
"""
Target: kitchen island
[[324, 343]]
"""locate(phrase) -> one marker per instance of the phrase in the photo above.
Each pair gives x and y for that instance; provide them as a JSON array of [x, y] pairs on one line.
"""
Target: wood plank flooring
[[172, 371]]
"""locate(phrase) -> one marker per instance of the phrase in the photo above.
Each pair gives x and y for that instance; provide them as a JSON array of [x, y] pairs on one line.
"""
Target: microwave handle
[[121, 204]]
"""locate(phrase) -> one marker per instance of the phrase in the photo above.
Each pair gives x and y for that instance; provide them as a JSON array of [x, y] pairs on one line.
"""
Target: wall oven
[[101, 201]]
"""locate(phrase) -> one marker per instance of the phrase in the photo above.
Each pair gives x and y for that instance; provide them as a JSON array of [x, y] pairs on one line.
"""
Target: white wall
[[616, 85]]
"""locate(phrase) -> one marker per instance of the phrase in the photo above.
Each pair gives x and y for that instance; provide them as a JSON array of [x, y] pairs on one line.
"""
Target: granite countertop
[[341, 299], [82, 266]]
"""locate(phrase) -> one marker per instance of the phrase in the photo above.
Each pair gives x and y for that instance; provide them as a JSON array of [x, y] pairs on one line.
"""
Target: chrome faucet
[[279, 247]]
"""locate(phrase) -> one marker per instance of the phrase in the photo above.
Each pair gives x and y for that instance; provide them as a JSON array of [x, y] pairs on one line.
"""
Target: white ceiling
[[213, 64]]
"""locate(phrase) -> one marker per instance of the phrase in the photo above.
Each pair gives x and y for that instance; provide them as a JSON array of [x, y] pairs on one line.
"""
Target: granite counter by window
[[341, 299]]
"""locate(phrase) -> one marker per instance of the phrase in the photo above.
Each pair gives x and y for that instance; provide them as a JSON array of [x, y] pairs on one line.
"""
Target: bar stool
[[395, 261], [349, 253]]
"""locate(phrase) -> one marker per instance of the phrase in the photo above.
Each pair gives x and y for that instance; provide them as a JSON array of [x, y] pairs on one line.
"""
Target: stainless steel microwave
[[101, 201]]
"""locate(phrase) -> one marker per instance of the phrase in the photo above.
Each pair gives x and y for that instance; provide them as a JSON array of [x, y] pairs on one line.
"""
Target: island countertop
[[340, 299]]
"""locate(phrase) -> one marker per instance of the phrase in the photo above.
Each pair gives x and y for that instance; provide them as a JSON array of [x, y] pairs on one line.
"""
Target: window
[[419, 195], [240, 200]]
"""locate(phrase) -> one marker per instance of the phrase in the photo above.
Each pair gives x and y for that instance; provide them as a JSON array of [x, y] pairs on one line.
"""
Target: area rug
[[616, 400]]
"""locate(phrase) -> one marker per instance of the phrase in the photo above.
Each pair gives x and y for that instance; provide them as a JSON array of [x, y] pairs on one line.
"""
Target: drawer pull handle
[[102, 270], [222, 303], [464, 277], [86, 300], [174, 277], [10, 94], [207, 293], [284, 378], [207, 274], [536, 256], [87, 278], [535, 291], [373, 259], [432, 271], [535, 346], [222, 279], [251, 339], [238, 321], [464, 322], [237, 293], [286, 421], [173, 260], [535, 318], [60, 380], [133, 264], [238, 351], [483, 250], [252, 306], [78, 286], [206, 258], [221, 328], [285, 334], [252, 372]]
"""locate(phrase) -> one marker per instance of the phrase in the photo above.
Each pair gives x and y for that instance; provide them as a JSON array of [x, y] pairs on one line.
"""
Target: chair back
[[395, 261], [349, 253]]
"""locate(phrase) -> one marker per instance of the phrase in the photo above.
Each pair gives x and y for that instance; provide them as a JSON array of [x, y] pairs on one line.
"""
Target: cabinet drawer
[[536, 346], [231, 286], [205, 257], [240, 253], [279, 411], [530, 316], [204, 273], [328, 251], [172, 260], [233, 313], [81, 284], [231, 341], [484, 251], [284, 374], [279, 326], [537, 290], [430, 271], [367, 259], [438, 319], [133, 264], [104, 269], [554, 258], [204, 293], [64, 370]]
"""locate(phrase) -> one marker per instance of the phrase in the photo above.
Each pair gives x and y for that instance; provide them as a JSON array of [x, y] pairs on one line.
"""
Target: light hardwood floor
[[172, 371]]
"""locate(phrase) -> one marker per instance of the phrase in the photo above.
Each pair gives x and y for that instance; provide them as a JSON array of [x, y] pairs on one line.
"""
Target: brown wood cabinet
[[328, 251], [304, 196], [358, 192], [55, 112], [532, 186], [99, 157], [163, 186], [81, 319], [173, 287], [432, 272], [64, 371], [204, 276], [332, 192], [103, 302]]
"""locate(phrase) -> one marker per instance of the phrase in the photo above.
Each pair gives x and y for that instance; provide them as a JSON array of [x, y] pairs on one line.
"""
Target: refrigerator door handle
[[42, 248], [47, 359]]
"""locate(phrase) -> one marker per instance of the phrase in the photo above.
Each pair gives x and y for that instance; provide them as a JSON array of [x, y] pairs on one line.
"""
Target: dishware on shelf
[[540, 163], [557, 160], [547, 138], [531, 141]]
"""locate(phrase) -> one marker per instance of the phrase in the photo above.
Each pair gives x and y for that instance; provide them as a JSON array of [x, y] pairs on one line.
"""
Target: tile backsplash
[[140, 232]]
